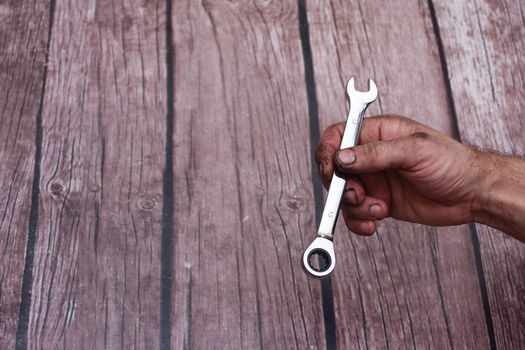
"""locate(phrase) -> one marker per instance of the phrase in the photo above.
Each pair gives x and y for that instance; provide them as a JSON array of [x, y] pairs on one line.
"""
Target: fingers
[[386, 128], [381, 155], [325, 152], [370, 209], [398, 133], [389, 127], [361, 227], [325, 165], [360, 219], [354, 193]]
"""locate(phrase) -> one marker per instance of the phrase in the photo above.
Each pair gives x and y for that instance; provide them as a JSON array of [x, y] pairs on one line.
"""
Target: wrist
[[499, 200], [487, 169]]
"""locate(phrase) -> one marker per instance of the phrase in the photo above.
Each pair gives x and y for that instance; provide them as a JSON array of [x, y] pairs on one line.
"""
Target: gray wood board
[[23, 35], [96, 270], [244, 208]]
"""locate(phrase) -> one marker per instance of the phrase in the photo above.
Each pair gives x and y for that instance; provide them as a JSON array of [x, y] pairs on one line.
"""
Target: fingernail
[[350, 196], [375, 211], [346, 156]]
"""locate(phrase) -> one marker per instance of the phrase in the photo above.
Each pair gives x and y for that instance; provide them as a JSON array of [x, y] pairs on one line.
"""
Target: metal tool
[[319, 257]]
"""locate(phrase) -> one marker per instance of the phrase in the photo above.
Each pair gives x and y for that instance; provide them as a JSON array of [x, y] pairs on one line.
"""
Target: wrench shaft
[[337, 185]]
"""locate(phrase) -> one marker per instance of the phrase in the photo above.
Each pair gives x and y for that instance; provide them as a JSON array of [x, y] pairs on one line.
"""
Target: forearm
[[500, 202]]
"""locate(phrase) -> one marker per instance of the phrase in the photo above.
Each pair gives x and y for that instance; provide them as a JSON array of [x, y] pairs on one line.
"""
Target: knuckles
[[420, 135], [419, 140], [334, 130], [324, 154], [371, 151]]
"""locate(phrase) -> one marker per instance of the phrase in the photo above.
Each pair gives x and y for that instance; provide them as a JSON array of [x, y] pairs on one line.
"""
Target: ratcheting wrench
[[322, 248]]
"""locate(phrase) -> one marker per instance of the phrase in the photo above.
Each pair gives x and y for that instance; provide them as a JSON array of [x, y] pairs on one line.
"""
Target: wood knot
[[260, 192], [56, 188], [295, 203], [94, 188], [147, 203]]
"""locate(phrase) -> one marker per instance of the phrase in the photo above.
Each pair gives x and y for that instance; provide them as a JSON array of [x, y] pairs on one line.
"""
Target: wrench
[[319, 257]]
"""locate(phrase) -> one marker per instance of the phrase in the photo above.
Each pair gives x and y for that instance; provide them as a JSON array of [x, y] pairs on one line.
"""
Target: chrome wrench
[[319, 257]]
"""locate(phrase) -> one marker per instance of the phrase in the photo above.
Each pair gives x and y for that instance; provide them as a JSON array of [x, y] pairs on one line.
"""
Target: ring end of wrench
[[319, 257]]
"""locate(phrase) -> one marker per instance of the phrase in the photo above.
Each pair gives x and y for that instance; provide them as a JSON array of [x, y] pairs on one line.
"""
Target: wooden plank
[[408, 286], [23, 34], [97, 268], [244, 203], [484, 44]]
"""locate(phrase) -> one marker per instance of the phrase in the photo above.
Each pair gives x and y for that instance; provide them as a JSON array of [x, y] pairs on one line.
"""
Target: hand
[[402, 169]]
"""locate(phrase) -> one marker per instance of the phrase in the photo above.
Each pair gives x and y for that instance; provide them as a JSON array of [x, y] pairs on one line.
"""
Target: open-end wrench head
[[361, 96]]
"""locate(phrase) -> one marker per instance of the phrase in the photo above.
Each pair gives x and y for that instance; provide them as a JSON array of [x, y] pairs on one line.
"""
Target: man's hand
[[402, 169]]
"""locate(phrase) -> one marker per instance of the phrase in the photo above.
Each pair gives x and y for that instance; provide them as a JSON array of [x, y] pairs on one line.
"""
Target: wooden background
[[157, 185]]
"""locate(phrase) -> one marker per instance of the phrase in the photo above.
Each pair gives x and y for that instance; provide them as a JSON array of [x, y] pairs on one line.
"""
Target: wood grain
[[96, 272], [484, 44], [409, 286], [243, 207], [244, 203], [22, 58]]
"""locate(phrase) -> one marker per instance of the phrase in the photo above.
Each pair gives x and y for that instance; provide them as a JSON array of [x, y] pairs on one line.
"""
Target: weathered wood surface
[[244, 203], [409, 286], [484, 43], [97, 263], [175, 195], [23, 34]]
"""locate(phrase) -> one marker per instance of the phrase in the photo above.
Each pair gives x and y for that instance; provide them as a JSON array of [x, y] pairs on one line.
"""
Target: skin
[[409, 171]]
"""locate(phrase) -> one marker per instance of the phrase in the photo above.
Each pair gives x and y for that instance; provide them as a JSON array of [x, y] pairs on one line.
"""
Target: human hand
[[402, 169]]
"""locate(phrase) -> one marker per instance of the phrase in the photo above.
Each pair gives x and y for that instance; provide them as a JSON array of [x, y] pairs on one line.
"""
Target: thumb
[[379, 155]]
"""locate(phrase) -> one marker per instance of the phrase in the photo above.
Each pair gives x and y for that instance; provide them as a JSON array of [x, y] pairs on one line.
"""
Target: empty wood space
[[158, 187]]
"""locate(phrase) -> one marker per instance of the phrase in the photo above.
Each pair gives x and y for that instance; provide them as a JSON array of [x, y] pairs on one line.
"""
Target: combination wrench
[[319, 257]]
